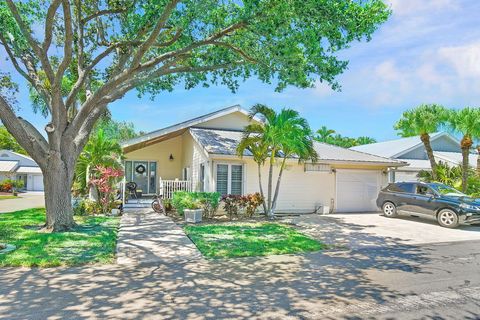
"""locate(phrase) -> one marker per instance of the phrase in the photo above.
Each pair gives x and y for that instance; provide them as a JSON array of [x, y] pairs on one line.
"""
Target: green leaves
[[425, 119]]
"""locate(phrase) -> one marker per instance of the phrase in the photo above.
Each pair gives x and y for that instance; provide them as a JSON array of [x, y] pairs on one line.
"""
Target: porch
[[166, 188]]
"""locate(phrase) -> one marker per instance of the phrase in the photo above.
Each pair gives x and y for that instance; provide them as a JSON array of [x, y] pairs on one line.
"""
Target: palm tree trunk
[[270, 186], [466, 144], [478, 160], [261, 188], [428, 148], [277, 187]]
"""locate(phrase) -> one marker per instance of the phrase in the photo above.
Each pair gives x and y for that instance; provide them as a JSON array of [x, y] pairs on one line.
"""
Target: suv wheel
[[389, 210], [448, 218]]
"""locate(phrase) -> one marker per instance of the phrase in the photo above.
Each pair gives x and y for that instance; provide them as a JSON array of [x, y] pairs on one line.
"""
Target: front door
[[143, 173]]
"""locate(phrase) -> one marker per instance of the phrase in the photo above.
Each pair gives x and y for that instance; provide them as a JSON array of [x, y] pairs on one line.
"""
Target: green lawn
[[252, 239], [3, 197], [93, 241]]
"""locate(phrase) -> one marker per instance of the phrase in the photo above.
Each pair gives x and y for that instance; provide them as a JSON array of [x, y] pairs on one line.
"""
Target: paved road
[[440, 281], [24, 201]]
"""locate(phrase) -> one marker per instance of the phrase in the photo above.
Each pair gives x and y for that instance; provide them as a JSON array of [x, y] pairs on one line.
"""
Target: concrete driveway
[[24, 201], [371, 229]]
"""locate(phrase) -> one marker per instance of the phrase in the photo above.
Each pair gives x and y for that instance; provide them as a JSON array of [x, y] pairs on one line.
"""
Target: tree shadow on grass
[[314, 285]]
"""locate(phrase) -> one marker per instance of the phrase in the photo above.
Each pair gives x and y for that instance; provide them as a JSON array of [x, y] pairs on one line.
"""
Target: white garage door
[[37, 183], [357, 190]]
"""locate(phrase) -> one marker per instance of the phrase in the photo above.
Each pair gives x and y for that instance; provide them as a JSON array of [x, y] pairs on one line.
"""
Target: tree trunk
[[428, 148], [466, 144], [57, 179], [261, 188], [478, 160], [277, 188], [270, 184]]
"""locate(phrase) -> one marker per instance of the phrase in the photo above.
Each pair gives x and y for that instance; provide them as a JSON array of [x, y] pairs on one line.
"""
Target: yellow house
[[200, 154]]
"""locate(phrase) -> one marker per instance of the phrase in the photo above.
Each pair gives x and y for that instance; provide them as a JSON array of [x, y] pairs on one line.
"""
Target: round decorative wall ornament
[[140, 169]]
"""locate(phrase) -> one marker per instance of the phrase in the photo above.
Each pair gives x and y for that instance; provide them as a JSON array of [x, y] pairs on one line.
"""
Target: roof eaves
[[183, 125]]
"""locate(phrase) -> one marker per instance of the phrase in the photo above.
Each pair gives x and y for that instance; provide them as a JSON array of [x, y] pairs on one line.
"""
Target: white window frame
[[229, 175]]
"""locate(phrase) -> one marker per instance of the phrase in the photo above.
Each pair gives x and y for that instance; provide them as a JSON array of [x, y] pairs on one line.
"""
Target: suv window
[[424, 190], [402, 187]]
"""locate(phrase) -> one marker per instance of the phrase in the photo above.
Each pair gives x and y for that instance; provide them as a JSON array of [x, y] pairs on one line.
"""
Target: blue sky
[[429, 51]]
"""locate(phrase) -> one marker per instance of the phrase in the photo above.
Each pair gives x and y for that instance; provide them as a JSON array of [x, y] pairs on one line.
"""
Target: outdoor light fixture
[[171, 157]]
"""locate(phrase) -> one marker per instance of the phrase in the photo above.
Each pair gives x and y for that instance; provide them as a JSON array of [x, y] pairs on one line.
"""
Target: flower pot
[[115, 212], [193, 215]]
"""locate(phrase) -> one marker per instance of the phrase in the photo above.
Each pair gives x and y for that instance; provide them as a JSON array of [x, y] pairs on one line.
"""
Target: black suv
[[443, 203]]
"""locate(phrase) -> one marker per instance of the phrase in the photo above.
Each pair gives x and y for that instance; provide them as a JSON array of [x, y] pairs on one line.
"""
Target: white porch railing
[[168, 187]]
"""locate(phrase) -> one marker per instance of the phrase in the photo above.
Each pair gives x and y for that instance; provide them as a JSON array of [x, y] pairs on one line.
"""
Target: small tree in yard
[[83, 55], [466, 122], [104, 182], [283, 135]]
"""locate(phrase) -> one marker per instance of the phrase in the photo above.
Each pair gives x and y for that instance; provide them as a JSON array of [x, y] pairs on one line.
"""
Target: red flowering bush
[[105, 181], [246, 205]]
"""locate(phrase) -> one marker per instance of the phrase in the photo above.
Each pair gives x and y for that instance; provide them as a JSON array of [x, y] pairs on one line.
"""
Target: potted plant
[[193, 211]]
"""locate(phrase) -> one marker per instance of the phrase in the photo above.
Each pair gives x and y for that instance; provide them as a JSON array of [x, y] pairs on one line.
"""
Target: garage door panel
[[357, 190]]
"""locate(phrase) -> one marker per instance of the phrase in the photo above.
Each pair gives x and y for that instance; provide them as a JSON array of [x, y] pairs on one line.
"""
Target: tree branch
[[26, 135], [103, 13], [49, 20], [155, 32], [41, 55], [235, 49]]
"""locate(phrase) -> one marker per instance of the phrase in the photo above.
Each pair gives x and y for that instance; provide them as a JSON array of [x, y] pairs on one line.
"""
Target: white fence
[[168, 187]]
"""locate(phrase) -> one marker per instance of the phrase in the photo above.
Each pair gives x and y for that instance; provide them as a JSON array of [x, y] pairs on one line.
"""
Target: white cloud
[[407, 7], [464, 59]]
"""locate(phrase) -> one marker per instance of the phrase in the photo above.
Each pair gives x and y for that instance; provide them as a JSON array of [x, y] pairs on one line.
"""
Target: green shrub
[[208, 201], [79, 207]]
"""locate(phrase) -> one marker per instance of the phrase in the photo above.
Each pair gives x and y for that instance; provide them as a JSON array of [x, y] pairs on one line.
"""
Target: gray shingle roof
[[223, 142]]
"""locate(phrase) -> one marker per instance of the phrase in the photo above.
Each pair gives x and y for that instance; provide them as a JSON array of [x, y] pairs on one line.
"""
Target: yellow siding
[[233, 121], [160, 152]]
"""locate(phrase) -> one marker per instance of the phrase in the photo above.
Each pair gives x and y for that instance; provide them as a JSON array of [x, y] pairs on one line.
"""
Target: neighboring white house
[[17, 166], [446, 148], [200, 154]]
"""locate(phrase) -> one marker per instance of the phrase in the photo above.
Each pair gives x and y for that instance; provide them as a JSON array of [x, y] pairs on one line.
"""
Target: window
[[222, 179], [236, 178], [402, 187], [153, 176], [229, 179], [317, 167], [186, 173], [202, 177]]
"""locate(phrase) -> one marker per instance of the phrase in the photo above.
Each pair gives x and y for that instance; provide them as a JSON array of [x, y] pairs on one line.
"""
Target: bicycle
[[157, 204]]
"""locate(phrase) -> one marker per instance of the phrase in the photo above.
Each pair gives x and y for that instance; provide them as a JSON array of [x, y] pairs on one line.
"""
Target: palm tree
[[467, 122], [252, 141], [284, 135], [364, 140], [100, 150], [323, 134], [423, 121], [297, 141]]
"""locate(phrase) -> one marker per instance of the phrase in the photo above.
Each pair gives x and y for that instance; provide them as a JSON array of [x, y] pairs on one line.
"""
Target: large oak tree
[[80, 55]]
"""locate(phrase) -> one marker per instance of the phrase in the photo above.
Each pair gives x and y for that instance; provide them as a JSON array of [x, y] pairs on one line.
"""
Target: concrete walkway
[[146, 237], [24, 201]]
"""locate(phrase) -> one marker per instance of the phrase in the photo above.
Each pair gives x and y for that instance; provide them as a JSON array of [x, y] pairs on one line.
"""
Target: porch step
[[137, 205]]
